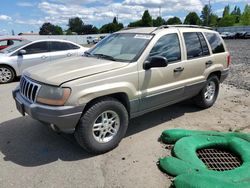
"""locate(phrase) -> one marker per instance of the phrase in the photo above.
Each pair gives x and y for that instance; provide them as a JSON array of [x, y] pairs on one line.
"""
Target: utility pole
[[160, 11], [209, 11]]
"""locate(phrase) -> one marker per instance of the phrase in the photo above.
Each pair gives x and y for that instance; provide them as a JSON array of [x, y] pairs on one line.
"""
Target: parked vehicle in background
[[16, 58], [228, 35], [6, 42], [128, 74], [247, 35], [240, 35], [92, 40], [224, 35]]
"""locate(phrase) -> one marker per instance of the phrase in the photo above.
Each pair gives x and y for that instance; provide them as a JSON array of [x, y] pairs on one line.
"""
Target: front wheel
[[208, 95], [102, 126], [6, 74]]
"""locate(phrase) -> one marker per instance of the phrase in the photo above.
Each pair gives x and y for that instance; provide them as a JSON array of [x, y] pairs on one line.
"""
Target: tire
[[209, 93], [7, 74], [94, 132]]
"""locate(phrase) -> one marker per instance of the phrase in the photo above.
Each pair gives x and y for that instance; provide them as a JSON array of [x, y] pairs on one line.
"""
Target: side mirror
[[155, 61], [21, 52]]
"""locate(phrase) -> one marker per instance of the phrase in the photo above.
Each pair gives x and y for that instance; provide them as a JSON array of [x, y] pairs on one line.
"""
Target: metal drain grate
[[218, 159]]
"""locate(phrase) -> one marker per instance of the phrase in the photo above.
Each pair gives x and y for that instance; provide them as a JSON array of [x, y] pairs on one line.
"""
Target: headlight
[[55, 96]]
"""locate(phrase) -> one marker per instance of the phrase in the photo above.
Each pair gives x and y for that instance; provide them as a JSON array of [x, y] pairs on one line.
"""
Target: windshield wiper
[[86, 53], [105, 56]]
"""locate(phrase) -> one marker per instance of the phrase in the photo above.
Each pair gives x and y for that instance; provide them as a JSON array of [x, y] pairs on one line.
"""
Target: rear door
[[198, 59], [36, 53], [61, 50]]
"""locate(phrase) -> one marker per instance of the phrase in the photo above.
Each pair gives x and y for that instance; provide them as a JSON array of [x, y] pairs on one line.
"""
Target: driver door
[[161, 86]]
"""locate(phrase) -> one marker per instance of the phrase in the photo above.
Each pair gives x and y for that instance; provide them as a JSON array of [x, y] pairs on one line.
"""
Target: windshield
[[14, 47], [121, 47]]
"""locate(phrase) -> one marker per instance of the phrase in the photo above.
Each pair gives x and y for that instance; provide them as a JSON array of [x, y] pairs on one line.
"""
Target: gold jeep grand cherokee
[[127, 74]]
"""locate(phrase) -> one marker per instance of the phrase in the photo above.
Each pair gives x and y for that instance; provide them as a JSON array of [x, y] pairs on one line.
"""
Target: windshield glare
[[121, 46], [14, 47]]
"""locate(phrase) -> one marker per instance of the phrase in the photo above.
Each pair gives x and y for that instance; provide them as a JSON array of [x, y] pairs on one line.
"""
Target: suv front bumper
[[61, 118]]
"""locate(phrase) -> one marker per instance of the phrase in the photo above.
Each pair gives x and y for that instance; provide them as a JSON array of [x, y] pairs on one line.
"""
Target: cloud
[[59, 11], [5, 18], [30, 22], [3, 32], [25, 4]]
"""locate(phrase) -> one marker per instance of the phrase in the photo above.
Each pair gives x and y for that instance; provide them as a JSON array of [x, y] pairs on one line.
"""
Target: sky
[[29, 15]]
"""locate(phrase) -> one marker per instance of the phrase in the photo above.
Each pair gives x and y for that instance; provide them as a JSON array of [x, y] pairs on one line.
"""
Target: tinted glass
[[59, 46], [16, 42], [39, 47], [193, 45], [204, 45], [215, 42], [167, 46], [72, 46]]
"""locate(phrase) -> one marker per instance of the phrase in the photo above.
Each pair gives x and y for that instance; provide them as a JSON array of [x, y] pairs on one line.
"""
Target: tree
[[206, 14], [111, 27], [115, 21], [173, 21], [76, 25], [226, 11], [146, 19], [245, 18], [158, 21], [90, 29], [226, 21], [193, 19], [135, 24], [50, 29], [214, 20], [236, 13]]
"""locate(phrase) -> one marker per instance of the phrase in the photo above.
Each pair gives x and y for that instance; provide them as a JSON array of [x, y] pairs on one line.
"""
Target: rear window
[[215, 42]]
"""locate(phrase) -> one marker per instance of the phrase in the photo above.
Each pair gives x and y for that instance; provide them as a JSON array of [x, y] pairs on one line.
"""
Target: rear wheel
[[208, 95], [6, 74], [102, 126]]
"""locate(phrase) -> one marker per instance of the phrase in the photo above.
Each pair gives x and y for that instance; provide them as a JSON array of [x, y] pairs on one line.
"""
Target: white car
[[16, 58]]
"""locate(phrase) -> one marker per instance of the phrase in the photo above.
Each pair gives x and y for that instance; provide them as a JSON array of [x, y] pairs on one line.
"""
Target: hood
[[3, 55], [60, 71]]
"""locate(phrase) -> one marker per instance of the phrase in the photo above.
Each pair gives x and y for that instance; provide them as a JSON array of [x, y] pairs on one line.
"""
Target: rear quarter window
[[215, 42]]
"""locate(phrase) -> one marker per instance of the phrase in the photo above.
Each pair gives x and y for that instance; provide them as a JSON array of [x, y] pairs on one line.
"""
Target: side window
[[72, 46], [39, 47], [193, 45], [215, 42], [167, 46], [16, 42], [204, 45], [59, 46], [3, 43]]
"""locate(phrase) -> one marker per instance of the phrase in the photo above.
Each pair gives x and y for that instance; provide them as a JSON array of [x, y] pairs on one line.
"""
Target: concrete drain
[[218, 159]]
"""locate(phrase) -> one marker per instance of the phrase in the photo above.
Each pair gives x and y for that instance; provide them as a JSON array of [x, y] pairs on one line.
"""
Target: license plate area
[[20, 107]]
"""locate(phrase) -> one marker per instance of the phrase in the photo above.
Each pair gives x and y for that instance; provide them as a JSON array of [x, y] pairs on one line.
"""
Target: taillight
[[228, 60]]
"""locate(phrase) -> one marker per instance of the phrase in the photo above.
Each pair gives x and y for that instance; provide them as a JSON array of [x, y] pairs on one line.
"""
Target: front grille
[[219, 159], [29, 89]]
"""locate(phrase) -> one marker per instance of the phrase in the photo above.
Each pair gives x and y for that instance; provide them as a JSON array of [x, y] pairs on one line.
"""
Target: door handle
[[179, 69], [69, 54], [209, 63]]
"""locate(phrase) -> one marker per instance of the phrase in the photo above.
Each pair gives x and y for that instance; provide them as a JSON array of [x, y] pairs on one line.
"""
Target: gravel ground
[[240, 68]]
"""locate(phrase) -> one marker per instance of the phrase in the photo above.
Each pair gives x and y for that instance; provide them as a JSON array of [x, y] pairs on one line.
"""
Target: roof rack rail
[[183, 25], [128, 28]]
